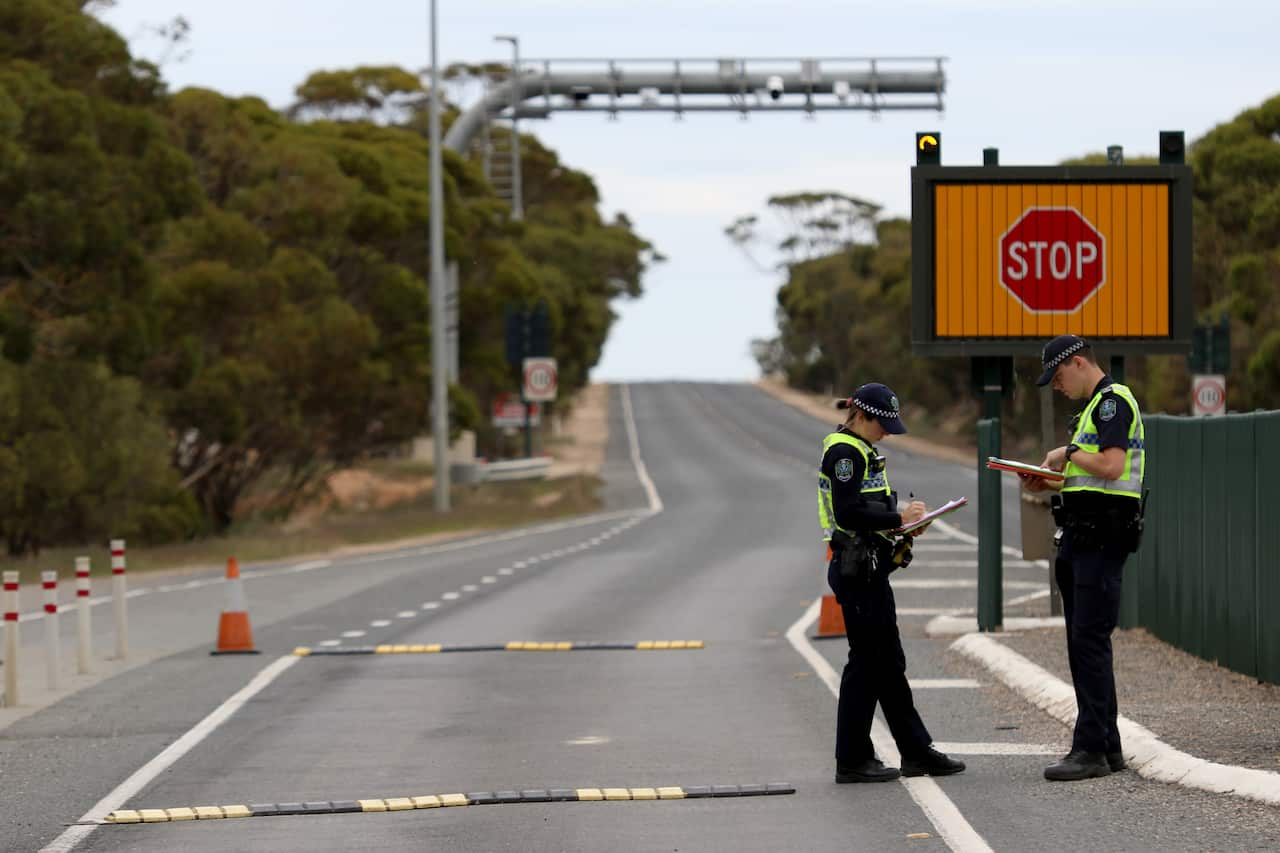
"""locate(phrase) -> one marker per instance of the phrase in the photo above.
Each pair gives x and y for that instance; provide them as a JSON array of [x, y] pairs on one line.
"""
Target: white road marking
[[998, 749], [506, 571], [973, 564], [959, 835], [942, 684], [329, 643], [924, 547], [430, 605], [517, 565], [1151, 757], [488, 579], [143, 776], [407, 614], [379, 623], [925, 611], [655, 502], [451, 596], [353, 634], [957, 583], [589, 740], [469, 587]]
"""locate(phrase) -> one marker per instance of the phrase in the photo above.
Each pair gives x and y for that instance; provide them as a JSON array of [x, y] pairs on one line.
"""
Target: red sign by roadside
[[1052, 259]]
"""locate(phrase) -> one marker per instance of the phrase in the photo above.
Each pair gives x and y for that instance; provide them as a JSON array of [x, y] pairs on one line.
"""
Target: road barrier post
[[119, 592], [84, 625], [52, 641], [10, 638]]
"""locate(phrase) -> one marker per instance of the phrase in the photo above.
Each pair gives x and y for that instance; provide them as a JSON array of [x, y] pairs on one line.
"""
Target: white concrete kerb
[[1151, 757]]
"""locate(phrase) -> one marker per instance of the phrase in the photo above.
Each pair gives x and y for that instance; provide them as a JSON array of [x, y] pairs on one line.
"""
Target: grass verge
[[476, 507]]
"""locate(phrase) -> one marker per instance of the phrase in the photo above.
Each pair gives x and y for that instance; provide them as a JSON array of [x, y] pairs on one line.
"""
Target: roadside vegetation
[[203, 298]]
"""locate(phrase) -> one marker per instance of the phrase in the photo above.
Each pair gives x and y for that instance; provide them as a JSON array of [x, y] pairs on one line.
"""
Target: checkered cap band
[[1071, 350], [872, 410]]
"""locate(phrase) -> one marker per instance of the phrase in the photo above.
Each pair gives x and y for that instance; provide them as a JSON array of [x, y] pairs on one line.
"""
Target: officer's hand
[[1056, 459], [1032, 483], [913, 512]]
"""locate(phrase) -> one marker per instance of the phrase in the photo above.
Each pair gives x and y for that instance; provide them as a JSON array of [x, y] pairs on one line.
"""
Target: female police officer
[[855, 504]]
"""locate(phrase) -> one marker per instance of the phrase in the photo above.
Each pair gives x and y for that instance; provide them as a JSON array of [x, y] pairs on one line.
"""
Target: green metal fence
[[1207, 577]]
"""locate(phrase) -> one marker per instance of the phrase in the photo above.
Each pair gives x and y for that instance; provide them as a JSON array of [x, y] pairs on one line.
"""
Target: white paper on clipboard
[[946, 509]]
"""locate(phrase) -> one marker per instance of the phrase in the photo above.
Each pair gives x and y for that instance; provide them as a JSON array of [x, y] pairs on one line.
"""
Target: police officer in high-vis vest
[[1099, 515], [856, 506]]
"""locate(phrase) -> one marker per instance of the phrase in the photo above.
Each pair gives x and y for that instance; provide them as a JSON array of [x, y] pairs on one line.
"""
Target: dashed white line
[[451, 596], [519, 565], [407, 614], [488, 579], [379, 623], [430, 605], [506, 571], [353, 633], [469, 587], [329, 643]]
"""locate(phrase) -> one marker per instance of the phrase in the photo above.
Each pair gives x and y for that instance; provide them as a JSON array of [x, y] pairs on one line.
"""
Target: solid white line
[[957, 533], [997, 749], [1143, 751], [655, 502], [956, 583], [959, 835], [973, 564], [144, 775], [942, 684]]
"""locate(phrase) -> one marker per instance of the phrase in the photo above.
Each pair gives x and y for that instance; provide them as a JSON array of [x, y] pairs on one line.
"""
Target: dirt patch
[[579, 448]]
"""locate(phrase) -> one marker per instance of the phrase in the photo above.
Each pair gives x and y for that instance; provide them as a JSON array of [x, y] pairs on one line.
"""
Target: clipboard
[[946, 509], [1023, 468]]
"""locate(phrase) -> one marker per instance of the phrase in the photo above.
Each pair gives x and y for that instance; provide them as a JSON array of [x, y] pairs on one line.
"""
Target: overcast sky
[[1042, 80]]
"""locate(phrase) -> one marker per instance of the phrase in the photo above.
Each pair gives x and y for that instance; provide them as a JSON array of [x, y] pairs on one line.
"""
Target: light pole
[[517, 197], [439, 379]]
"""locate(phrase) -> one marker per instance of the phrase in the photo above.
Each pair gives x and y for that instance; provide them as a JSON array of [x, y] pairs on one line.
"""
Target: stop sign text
[[1052, 259]]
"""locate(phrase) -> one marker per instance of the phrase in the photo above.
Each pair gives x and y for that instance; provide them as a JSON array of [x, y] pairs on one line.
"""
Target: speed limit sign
[[539, 379], [1209, 394]]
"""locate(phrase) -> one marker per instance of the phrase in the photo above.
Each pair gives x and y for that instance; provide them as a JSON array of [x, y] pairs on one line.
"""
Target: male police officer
[[1100, 516], [855, 506]]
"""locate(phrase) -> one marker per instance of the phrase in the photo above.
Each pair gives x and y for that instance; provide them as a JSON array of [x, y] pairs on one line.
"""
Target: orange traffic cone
[[830, 617], [235, 637]]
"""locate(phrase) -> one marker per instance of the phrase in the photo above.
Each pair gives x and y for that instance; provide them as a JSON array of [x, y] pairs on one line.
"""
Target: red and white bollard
[[84, 629], [10, 638], [52, 642], [119, 589]]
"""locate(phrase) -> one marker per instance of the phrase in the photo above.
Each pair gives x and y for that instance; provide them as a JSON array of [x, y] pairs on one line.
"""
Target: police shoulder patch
[[1107, 409], [844, 470]]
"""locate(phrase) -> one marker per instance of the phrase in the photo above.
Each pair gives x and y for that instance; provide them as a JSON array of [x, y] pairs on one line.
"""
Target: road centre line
[[143, 776], [955, 830], [943, 684]]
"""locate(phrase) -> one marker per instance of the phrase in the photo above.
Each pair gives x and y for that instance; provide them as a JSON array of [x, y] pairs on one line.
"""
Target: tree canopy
[[242, 291]]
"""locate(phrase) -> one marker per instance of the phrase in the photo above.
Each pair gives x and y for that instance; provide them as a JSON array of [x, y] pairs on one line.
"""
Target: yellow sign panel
[[1039, 260]]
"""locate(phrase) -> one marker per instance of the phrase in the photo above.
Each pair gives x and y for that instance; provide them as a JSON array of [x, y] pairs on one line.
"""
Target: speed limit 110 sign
[[540, 379]]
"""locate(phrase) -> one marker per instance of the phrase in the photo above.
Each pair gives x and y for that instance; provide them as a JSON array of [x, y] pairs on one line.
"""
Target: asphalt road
[[732, 558]]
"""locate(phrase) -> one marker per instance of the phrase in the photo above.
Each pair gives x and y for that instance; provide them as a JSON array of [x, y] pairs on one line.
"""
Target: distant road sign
[[540, 379], [508, 411], [1209, 394]]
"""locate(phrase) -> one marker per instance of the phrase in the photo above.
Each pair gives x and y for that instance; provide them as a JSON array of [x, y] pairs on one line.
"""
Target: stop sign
[[1052, 259]]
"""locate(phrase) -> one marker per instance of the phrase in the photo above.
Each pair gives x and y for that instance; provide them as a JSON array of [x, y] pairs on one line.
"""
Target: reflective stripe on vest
[[877, 484], [1129, 483]]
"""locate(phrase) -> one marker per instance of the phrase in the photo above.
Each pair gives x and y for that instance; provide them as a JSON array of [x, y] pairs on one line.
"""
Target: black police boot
[[930, 763], [1115, 760], [1078, 765], [871, 770]]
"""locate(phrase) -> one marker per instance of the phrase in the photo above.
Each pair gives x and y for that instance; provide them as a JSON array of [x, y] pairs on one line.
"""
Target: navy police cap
[[1056, 352], [881, 403]]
